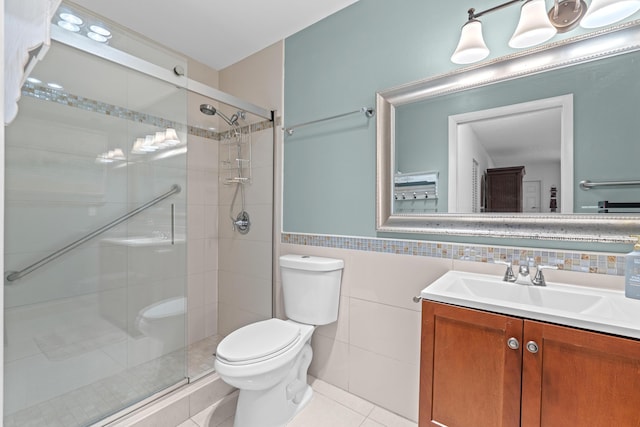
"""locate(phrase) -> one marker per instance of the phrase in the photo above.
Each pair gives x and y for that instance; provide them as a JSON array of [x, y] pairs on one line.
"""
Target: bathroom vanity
[[502, 354]]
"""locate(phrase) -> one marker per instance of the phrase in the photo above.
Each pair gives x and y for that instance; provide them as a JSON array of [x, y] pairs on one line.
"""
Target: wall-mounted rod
[[15, 275], [368, 111], [586, 184]]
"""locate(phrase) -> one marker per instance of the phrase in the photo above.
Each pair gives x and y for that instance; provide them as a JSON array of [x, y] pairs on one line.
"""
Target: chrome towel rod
[[586, 184], [15, 275], [368, 111]]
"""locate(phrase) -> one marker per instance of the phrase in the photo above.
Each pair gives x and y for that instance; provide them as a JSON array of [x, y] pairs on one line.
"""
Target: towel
[[27, 25]]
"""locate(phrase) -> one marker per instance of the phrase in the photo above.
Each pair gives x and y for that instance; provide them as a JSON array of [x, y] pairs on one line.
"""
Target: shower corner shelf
[[237, 180], [236, 166]]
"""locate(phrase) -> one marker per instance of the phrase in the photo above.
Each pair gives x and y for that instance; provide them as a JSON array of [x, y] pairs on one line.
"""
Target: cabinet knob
[[513, 343], [532, 346]]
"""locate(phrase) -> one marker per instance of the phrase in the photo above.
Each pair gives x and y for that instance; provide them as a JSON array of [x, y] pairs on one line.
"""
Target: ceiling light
[[55, 86], [97, 37], [71, 18], [100, 30], [34, 80], [606, 12], [69, 26], [536, 25]]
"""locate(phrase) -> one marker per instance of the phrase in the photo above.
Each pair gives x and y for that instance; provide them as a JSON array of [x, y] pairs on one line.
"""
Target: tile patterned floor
[[330, 406]]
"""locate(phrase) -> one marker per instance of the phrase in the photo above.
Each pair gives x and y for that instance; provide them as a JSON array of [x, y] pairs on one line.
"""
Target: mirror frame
[[609, 228]]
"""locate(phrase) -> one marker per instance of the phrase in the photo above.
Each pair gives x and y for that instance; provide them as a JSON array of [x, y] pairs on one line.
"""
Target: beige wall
[[246, 261], [202, 215], [258, 78], [230, 274]]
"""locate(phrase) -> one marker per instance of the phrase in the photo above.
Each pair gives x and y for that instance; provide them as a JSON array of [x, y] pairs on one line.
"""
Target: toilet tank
[[311, 288]]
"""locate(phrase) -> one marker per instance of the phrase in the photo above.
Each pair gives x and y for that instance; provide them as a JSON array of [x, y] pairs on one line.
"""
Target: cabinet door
[[579, 378], [469, 375]]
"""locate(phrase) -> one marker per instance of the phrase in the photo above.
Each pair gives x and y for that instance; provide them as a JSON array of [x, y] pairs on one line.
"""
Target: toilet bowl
[[164, 322], [268, 360]]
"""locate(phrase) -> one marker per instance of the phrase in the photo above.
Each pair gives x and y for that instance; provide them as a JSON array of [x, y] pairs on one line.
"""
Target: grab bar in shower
[[368, 111], [586, 184], [15, 275]]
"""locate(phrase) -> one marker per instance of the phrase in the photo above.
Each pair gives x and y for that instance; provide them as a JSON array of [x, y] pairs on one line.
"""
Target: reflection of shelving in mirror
[[236, 166], [415, 192]]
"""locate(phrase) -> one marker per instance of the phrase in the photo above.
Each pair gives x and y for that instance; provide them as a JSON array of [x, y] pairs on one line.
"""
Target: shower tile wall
[[246, 261], [202, 238], [244, 290]]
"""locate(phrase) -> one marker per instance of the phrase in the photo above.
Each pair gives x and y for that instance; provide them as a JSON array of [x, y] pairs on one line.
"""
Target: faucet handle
[[539, 280], [508, 274]]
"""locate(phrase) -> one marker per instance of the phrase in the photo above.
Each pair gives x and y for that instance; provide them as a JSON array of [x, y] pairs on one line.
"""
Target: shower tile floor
[[85, 404], [201, 356]]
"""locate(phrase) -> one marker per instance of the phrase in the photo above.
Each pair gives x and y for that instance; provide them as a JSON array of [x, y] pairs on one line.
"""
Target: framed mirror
[[541, 144]]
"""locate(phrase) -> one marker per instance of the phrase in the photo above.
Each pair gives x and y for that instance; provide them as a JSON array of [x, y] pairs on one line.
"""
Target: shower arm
[[11, 276]]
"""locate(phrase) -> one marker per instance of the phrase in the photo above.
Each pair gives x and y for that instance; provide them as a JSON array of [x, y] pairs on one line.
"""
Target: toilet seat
[[258, 342]]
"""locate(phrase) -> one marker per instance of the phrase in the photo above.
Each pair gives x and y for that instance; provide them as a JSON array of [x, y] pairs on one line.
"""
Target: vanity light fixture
[[536, 25]]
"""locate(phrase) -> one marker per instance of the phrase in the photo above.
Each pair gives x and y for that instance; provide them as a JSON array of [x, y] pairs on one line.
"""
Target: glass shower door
[[102, 326]]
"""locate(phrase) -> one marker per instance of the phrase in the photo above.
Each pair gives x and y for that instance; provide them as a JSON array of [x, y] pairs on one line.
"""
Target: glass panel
[[236, 272], [102, 326]]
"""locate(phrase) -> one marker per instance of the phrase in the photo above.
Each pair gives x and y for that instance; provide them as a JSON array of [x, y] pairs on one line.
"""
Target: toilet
[[164, 322], [268, 360]]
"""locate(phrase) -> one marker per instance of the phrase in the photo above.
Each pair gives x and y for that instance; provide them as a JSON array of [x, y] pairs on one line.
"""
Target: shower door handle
[[173, 223]]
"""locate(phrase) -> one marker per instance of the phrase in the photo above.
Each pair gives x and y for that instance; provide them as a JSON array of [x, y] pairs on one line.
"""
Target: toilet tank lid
[[310, 263]]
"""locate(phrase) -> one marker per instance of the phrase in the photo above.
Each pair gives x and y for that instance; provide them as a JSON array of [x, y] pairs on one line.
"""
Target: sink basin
[[510, 293], [589, 308]]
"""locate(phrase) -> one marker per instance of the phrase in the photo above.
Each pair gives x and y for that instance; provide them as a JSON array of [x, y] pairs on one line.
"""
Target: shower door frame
[[145, 67]]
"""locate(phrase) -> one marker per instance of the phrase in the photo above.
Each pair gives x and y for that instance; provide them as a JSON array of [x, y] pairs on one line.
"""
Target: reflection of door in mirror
[[504, 189], [530, 135], [531, 201]]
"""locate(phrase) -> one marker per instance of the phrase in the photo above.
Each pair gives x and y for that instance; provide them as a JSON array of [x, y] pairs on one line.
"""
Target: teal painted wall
[[337, 65]]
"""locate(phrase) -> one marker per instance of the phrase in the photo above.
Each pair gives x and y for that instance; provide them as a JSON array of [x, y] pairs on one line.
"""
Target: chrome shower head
[[210, 110]]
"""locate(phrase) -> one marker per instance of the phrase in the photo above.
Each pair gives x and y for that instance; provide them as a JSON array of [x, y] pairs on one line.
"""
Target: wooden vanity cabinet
[[471, 377]]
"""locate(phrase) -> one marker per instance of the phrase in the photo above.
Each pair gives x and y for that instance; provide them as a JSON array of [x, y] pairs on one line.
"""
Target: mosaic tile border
[[586, 262], [52, 95]]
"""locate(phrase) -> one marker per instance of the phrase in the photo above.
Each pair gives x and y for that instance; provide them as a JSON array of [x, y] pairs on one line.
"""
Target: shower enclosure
[[99, 190]]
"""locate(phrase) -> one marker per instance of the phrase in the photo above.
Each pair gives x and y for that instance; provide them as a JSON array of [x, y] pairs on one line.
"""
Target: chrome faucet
[[538, 280], [523, 277], [508, 274]]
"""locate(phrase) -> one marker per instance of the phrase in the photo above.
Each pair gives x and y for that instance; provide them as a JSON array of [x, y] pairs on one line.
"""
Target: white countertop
[[572, 305]]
